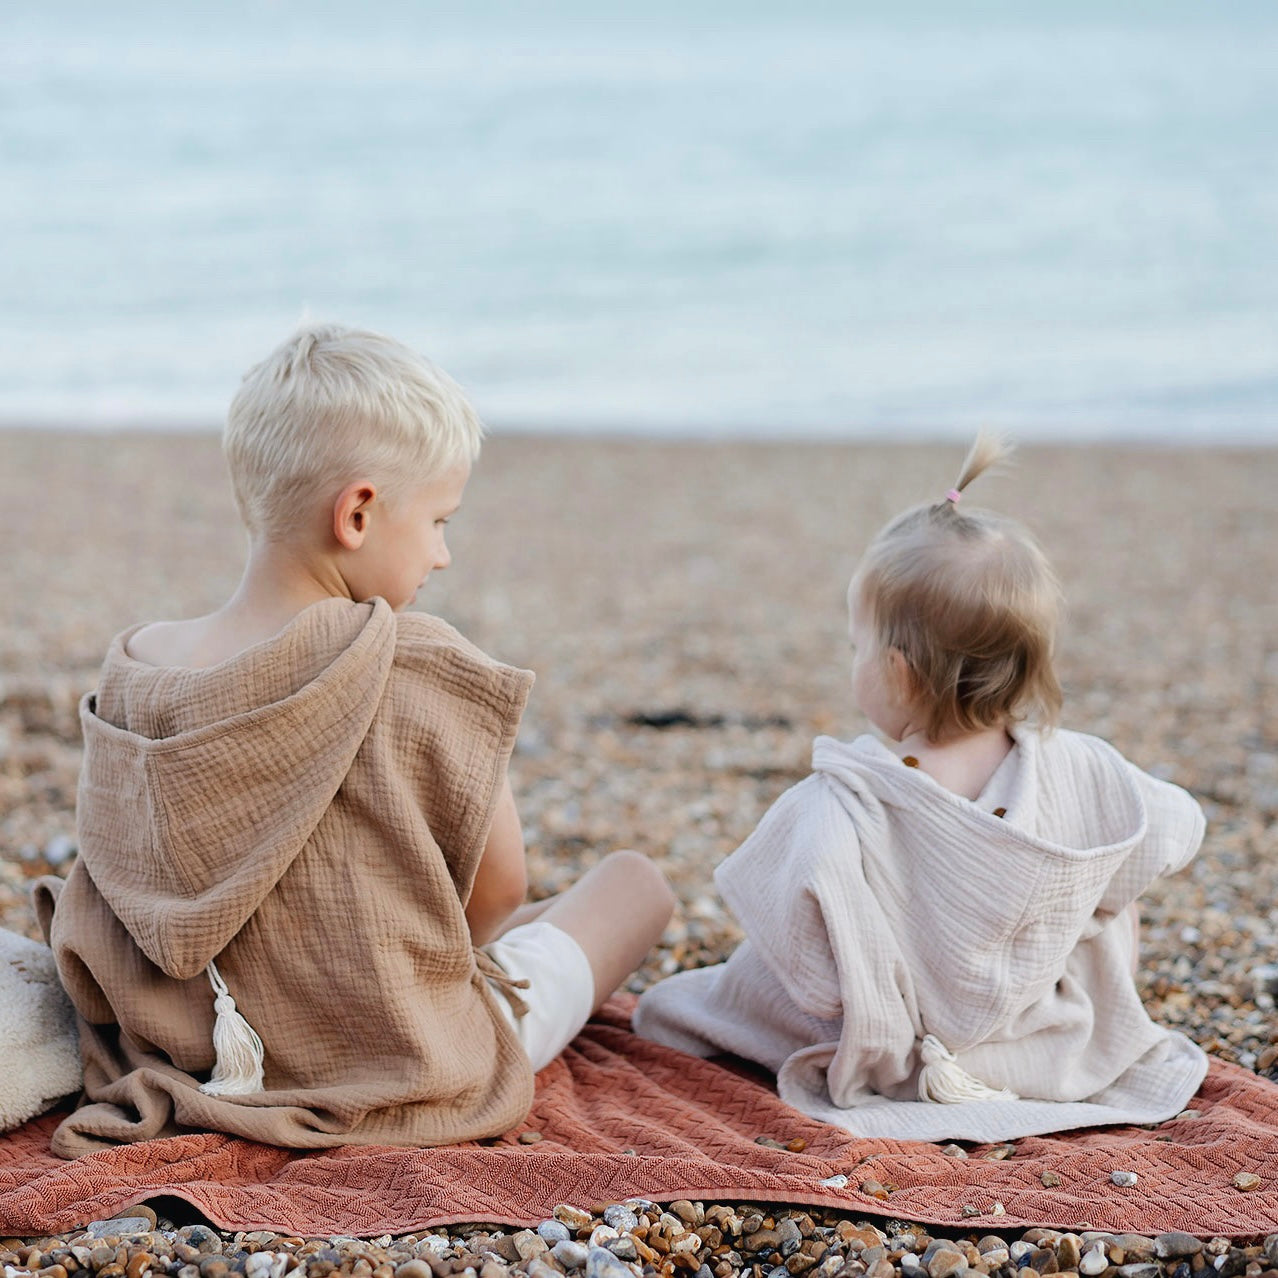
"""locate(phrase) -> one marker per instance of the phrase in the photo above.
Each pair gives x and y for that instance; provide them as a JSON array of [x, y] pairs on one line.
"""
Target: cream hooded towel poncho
[[309, 815], [881, 909]]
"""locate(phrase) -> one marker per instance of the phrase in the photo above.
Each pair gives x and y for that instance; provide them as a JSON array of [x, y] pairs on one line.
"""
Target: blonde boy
[[298, 912]]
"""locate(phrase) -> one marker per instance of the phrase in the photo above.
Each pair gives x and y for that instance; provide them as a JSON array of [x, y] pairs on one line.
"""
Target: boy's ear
[[352, 511]]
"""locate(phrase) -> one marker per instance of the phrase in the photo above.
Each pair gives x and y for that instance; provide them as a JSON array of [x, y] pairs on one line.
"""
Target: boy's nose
[[445, 556]]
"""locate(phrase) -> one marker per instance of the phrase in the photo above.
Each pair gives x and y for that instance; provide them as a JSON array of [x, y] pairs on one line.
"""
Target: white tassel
[[944, 1080], [238, 1067]]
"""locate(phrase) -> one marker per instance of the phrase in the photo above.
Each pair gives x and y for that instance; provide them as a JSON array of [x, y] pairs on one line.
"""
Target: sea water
[[703, 216]]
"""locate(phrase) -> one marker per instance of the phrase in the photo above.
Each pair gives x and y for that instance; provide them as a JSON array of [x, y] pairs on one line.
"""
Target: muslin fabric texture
[[879, 907], [37, 1027], [310, 814]]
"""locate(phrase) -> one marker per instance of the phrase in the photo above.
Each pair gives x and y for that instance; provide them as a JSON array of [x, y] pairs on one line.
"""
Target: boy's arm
[[501, 879]]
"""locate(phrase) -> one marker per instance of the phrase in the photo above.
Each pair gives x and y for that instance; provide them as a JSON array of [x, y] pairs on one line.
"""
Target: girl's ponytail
[[988, 450]]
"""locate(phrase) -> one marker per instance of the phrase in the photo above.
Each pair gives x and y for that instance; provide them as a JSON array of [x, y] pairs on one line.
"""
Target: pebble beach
[[682, 606]]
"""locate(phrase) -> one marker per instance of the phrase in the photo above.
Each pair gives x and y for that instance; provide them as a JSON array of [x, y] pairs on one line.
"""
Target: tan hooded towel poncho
[[309, 814]]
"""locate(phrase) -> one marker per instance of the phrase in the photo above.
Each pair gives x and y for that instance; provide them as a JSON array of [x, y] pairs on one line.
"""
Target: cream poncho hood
[[891, 923]]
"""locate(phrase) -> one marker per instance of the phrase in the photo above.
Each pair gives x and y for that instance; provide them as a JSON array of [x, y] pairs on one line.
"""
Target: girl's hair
[[969, 600], [334, 404]]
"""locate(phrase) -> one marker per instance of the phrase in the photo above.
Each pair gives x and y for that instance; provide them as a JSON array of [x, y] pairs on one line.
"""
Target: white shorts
[[561, 992]]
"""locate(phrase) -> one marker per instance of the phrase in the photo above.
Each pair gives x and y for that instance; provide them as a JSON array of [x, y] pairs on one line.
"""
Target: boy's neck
[[279, 582], [963, 764]]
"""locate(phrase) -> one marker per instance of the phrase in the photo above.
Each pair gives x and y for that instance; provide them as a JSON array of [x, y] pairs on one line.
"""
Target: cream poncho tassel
[[239, 1052], [944, 1080]]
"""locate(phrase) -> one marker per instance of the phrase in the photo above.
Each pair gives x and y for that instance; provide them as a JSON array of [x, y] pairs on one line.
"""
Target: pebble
[[570, 1254], [1246, 1181], [571, 1216], [620, 1217], [120, 1227], [945, 1263], [1124, 1179], [1093, 1261], [529, 1244], [554, 1231], [1176, 1244], [601, 1263]]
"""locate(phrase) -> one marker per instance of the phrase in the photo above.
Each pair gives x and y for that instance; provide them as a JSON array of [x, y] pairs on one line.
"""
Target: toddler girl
[[939, 921]]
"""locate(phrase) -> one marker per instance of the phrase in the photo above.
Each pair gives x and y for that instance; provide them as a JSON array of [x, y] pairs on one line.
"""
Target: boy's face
[[405, 541]]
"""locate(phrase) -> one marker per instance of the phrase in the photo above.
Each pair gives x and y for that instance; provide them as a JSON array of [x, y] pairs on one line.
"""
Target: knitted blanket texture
[[620, 1117]]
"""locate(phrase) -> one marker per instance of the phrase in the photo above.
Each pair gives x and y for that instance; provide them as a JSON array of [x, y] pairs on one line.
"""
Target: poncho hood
[[186, 833], [868, 767]]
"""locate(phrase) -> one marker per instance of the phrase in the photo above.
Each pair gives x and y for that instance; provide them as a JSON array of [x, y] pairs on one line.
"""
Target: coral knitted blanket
[[621, 1117]]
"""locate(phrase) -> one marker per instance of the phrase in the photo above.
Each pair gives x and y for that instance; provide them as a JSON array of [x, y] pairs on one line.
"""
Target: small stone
[[954, 1151], [529, 1138], [137, 1211], [1264, 978], [554, 1231], [686, 1211], [1175, 1244], [1124, 1179], [873, 1189], [945, 1263], [415, 1268], [601, 1263], [621, 1218], [1049, 1179], [258, 1265], [572, 1216], [119, 1227], [837, 1181], [1069, 1251], [602, 1234], [570, 1254], [59, 849], [529, 1244], [1093, 1261], [797, 1145], [623, 1247], [1140, 1269], [1246, 1181], [997, 1153], [788, 1231], [970, 1210]]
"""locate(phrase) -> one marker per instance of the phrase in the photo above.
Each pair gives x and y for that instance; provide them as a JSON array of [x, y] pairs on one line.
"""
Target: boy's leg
[[616, 913]]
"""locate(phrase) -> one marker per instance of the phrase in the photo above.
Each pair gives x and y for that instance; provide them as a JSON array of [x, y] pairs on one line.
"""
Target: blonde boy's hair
[[334, 404], [969, 600]]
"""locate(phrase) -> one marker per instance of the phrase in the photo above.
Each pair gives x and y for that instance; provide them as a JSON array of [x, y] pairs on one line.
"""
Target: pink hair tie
[[953, 495]]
